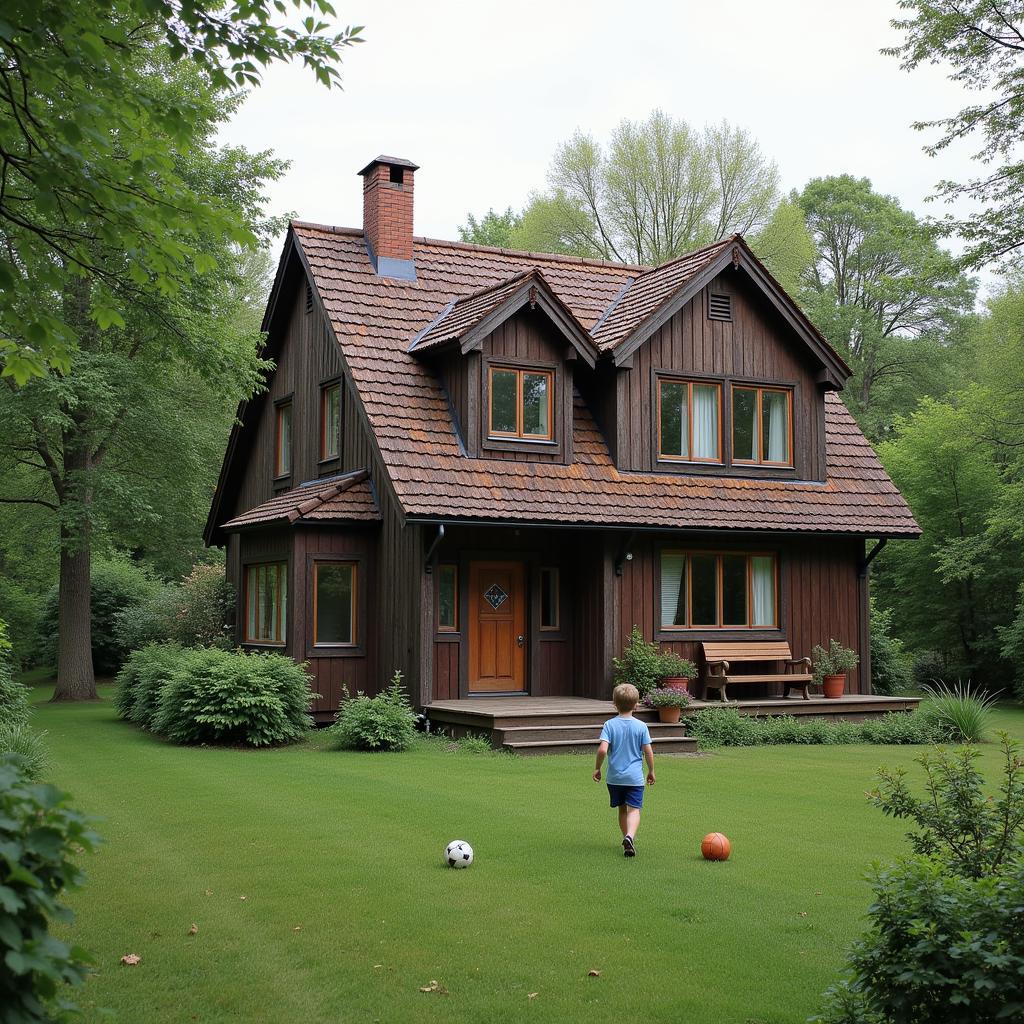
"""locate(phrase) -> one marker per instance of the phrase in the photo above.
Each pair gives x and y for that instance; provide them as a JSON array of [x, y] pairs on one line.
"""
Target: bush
[[641, 663], [19, 738], [117, 583], [14, 707], [384, 722], [899, 727], [39, 834], [205, 695], [722, 727], [149, 622], [474, 745], [956, 713], [836, 661], [928, 667], [890, 667]]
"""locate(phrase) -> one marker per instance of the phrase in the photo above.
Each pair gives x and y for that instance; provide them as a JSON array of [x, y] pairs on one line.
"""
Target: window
[[689, 421], [520, 403], [761, 425], [334, 604], [718, 590], [266, 603], [283, 440], [330, 421], [549, 603], [447, 599]]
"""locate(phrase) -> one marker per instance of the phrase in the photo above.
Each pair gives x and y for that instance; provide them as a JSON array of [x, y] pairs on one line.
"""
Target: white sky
[[480, 94]]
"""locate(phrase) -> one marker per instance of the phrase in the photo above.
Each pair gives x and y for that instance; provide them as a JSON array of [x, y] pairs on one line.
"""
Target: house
[[482, 467]]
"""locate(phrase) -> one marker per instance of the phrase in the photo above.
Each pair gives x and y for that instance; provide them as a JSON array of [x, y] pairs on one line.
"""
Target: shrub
[[142, 679], [836, 661], [890, 667], [956, 713], [14, 707], [667, 697], [899, 727], [39, 833], [673, 666], [215, 696], [475, 745], [149, 622], [384, 722], [641, 663], [117, 583], [928, 667], [722, 727], [19, 738]]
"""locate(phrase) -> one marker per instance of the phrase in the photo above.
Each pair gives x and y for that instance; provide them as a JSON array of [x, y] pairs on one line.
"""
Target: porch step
[[663, 745], [530, 732]]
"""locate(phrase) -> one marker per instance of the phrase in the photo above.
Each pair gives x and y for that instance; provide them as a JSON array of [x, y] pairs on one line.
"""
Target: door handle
[[521, 640]]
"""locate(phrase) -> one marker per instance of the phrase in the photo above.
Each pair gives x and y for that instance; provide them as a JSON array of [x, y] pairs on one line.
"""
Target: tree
[[497, 229], [785, 246], [88, 144], [885, 294], [126, 432], [982, 42]]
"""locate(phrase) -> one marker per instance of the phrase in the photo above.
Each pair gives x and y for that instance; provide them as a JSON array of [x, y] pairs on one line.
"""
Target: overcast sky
[[480, 94]]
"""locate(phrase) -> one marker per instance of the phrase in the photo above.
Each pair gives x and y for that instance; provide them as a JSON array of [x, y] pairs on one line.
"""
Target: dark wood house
[[482, 467]]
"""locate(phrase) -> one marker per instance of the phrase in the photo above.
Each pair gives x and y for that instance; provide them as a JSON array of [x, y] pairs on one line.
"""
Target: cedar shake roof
[[375, 318], [339, 499]]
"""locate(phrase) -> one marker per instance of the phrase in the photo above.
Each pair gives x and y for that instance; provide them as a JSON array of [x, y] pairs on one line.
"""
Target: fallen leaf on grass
[[243, 897], [378, 967], [193, 929], [803, 913], [131, 959], [593, 974], [532, 995], [208, 892], [434, 987], [297, 928]]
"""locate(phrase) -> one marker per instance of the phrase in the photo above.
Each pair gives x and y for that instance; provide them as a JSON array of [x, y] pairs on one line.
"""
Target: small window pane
[[744, 424], [673, 589], [549, 610], [335, 603], [775, 426], [705, 421], [284, 439], [329, 428], [503, 402], [704, 581], [734, 590], [447, 598], [674, 420], [535, 405], [266, 603], [763, 572]]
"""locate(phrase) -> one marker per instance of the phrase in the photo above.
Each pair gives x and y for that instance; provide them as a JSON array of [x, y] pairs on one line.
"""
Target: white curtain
[[777, 441], [764, 590], [673, 590], [705, 422]]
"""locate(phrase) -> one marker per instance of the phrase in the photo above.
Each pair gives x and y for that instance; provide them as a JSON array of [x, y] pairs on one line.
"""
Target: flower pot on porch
[[833, 686], [676, 683], [670, 715]]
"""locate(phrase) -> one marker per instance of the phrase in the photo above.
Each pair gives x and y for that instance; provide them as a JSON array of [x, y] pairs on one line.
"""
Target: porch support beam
[[865, 562], [428, 561]]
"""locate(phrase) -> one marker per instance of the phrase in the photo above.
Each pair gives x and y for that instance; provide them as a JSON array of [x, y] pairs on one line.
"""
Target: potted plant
[[668, 701], [830, 667], [676, 672], [640, 664]]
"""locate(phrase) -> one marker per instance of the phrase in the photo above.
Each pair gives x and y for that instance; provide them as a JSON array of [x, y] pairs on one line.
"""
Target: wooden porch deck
[[546, 725]]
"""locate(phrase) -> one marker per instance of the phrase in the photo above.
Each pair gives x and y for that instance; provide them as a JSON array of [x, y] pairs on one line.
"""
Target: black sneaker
[[627, 847]]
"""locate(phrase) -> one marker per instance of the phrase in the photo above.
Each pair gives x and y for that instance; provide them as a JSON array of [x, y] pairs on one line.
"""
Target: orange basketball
[[715, 846]]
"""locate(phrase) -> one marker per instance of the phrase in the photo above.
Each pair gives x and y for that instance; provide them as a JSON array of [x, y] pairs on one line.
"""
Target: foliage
[[785, 246], [928, 667], [142, 679], [14, 707], [641, 663], [39, 834], [384, 722], [674, 667], [726, 727], [92, 146], [836, 661], [974, 835], [117, 583], [497, 229], [667, 697], [474, 745], [980, 42], [890, 666], [959, 714], [21, 739]]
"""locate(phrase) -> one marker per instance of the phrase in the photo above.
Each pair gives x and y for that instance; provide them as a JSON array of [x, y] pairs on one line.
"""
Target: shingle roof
[[346, 498], [374, 319]]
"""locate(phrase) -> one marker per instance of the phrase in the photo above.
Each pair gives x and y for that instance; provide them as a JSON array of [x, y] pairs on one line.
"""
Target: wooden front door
[[497, 627]]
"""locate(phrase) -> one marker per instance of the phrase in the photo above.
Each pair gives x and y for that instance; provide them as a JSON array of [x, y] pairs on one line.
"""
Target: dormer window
[[520, 403], [689, 421], [762, 423]]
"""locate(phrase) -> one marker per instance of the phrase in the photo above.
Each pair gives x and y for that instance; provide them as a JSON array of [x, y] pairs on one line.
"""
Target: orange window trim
[[451, 627], [690, 457], [325, 397], [719, 590], [354, 642], [520, 432], [280, 569], [280, 411], [760, 390]]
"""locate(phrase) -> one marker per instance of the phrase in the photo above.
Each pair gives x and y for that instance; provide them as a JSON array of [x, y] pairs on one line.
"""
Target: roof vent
[[719, 306], [309, 297]]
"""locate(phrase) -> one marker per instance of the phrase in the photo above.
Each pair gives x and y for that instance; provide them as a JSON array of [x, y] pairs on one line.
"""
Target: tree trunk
[[75, 677]]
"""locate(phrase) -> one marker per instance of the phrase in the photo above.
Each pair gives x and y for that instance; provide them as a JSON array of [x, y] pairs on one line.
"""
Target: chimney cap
[[390, 161]]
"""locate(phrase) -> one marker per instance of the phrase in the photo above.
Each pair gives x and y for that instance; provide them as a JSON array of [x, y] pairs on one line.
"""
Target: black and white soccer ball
[[458, 854]]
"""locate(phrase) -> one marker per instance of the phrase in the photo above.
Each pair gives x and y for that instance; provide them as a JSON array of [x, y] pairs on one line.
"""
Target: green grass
[[348, 908]]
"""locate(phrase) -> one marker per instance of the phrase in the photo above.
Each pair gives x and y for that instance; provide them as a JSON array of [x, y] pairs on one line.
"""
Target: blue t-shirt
[[626, 739]]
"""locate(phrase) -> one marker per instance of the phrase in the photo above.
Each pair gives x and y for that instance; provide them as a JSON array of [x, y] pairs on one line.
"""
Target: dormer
[[506, 356]]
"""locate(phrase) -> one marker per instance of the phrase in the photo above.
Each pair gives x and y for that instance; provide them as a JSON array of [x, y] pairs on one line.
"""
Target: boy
[[622, 740]]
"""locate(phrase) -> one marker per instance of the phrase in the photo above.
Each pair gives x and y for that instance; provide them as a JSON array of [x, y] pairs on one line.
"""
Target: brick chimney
[[387, 216]]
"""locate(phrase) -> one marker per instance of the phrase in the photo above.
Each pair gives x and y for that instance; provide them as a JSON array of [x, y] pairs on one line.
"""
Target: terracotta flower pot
[[675, 683], [833, 686], [670, 715]]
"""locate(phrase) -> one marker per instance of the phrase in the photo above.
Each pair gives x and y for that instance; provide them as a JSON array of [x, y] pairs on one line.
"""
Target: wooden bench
[[721, 658]]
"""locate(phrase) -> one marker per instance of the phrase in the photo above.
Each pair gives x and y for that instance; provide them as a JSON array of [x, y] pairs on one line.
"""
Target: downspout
[[428, 567]]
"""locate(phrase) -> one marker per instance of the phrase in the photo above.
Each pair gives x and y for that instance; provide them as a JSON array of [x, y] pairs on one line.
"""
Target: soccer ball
[[458, 854]]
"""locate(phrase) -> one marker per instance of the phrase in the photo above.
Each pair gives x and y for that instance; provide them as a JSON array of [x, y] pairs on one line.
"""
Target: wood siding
[[751, 348]]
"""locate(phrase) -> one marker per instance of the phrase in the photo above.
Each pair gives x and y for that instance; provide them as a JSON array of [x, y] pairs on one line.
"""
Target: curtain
[[776, 440], [705, 421], [763, 567], [673, 590]]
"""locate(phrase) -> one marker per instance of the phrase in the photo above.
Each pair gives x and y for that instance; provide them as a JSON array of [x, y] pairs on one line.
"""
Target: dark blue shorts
[[632, 795]]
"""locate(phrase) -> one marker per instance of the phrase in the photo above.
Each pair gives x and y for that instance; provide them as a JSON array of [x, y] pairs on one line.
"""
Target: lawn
[[348, 911]]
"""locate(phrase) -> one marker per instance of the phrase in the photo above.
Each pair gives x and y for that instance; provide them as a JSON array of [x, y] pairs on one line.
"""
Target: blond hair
[[625, 697]]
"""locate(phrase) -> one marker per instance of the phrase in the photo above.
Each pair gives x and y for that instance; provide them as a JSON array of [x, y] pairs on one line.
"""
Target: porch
[[566, 725]]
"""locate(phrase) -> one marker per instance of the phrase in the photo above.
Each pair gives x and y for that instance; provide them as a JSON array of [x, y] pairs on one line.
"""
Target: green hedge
[[384, 722], [207, 695], [14, 705]]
